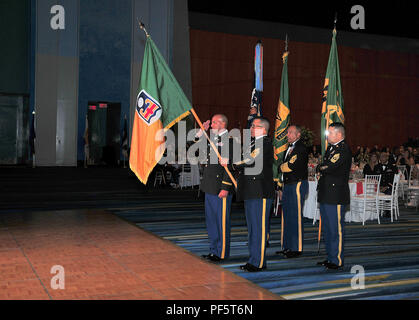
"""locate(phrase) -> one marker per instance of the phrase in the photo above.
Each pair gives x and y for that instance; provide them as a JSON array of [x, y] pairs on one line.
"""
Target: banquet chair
[[368, 201], [185, 178], [412, 199], [390, 201], [402, 169], [403, 182], [168, 176]]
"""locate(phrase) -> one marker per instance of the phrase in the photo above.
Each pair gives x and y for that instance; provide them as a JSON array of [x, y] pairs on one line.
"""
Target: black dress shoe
[[251, 268], [284, 252], [292, 254], [289, 254], [212, 257], [215, 258], [332, 266], [243, 267], [322, 263]]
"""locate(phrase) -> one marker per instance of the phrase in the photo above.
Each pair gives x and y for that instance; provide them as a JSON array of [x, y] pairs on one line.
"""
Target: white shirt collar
[[293, 144], [220, 134], [337, 142], [256, 138]]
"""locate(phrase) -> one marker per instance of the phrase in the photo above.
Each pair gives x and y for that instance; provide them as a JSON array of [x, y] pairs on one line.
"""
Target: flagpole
[[278, 200], [142, 27], [319, 235], [334, 22], [213, 146]]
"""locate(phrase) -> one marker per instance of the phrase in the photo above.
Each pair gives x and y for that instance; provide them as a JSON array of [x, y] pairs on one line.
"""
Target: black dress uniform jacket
[[259, 185], [215, 178], [333, 187], [387, 172], [295, 166]]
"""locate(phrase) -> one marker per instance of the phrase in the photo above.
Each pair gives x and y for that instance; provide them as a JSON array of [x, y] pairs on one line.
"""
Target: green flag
[[332, 102], [282, 121], [160, 104]]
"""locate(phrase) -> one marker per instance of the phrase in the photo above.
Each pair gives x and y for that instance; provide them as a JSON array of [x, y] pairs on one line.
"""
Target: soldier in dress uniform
[[255, 186], [333, 194], [295, 188], [218, 189]]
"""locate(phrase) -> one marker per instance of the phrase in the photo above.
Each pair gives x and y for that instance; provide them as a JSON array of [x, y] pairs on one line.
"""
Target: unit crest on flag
[[148, 108]]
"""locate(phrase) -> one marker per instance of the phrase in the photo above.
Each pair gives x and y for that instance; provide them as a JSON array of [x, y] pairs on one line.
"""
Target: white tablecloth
[[311, 207]]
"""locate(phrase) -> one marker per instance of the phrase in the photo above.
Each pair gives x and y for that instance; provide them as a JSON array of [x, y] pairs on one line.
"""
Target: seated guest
[[360, 155], [367, 153], [314, 153], [369, 167], [403, 158], [175, 169], [392, 157], [387, 172], [375, 149], [415, 154], [412, 168]]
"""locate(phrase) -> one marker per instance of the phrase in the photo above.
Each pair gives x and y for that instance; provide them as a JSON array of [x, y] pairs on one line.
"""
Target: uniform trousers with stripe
[[217, 218], [333, 221], [257, 218], [293, 199]]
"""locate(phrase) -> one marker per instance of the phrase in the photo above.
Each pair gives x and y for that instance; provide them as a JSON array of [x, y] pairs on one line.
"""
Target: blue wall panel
[[105, 57]]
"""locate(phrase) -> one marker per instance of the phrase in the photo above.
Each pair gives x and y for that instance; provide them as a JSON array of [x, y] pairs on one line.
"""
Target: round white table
[[311, 207]]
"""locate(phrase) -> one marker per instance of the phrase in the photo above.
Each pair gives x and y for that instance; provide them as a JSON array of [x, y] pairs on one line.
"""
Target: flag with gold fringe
[[282, 120], [160, 104], [332, 102]]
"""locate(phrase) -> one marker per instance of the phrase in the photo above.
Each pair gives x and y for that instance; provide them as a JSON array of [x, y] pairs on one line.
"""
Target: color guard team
[[257, 189]]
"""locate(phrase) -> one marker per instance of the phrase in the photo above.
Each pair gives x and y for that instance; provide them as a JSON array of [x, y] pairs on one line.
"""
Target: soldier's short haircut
[[264, 122], [297, 127], [339, 127], [223, 118]]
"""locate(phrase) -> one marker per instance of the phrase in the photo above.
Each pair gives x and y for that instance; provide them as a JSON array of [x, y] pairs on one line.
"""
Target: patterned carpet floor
[[388, 253]]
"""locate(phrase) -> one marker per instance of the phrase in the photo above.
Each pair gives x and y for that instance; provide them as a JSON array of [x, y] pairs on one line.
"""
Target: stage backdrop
[[380, 88]]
